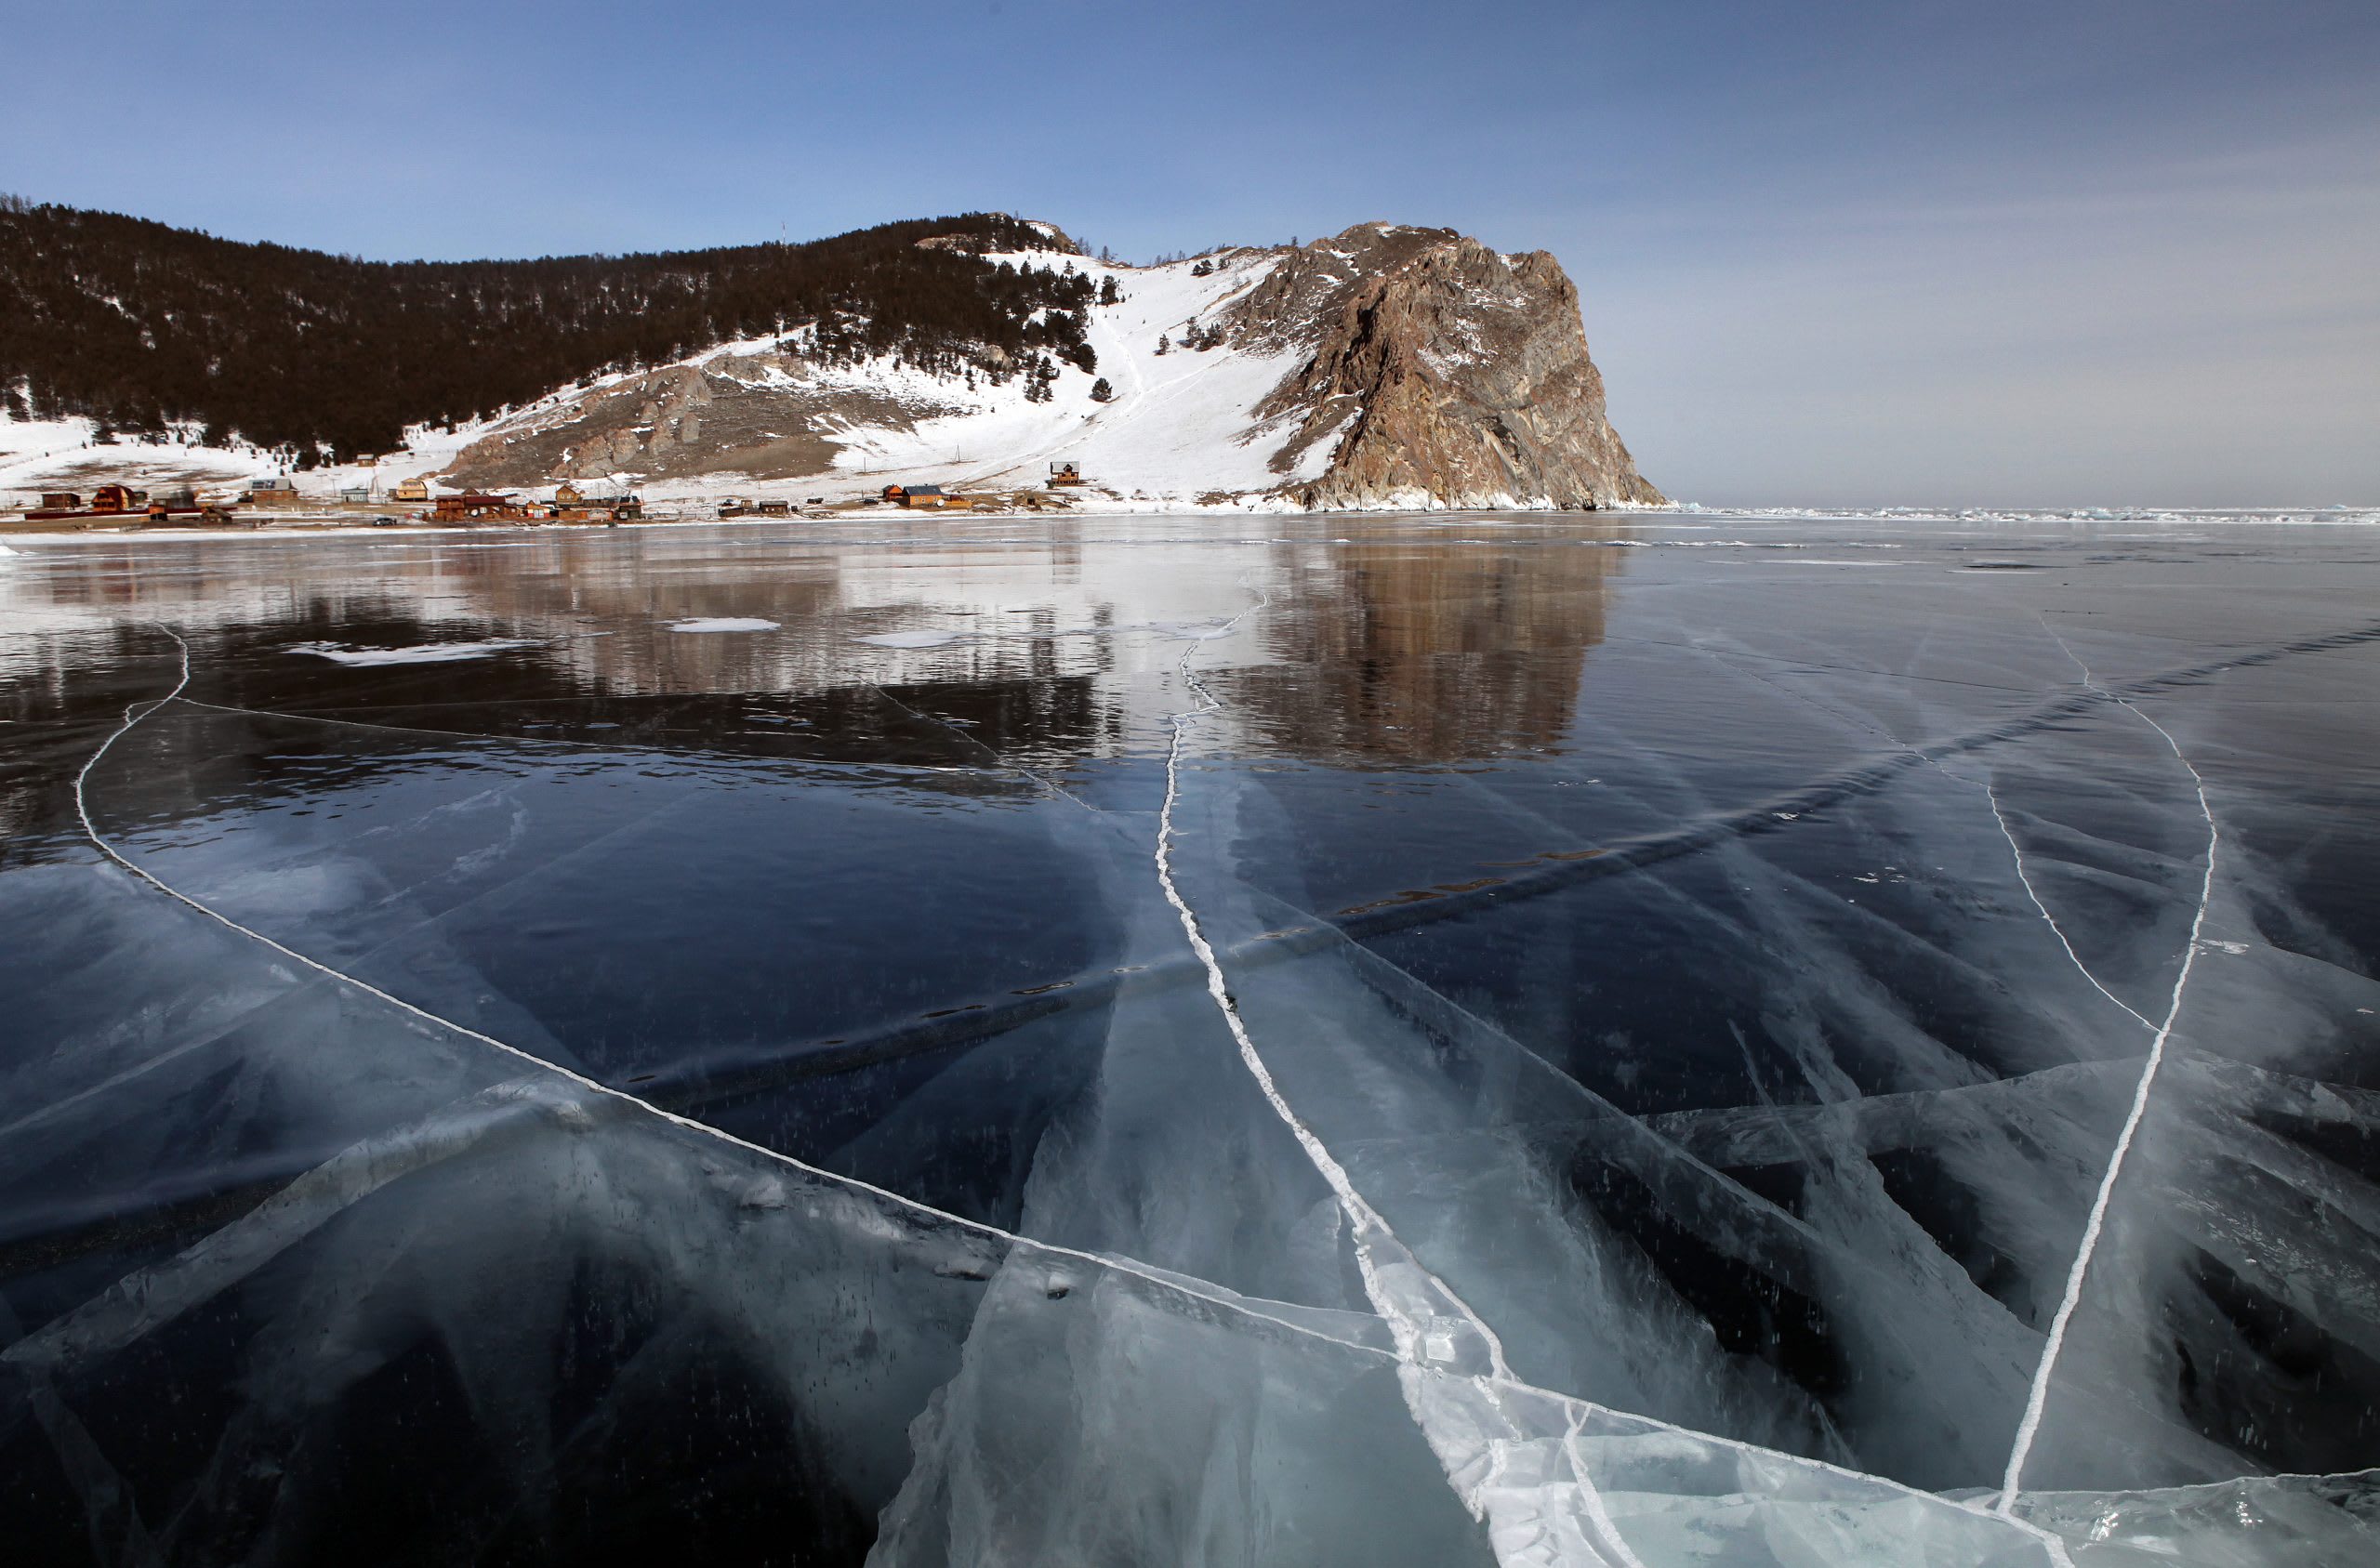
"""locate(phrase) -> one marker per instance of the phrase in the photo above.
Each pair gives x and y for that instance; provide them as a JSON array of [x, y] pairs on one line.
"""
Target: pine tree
[[1163, 343], [1101, 391], [1108, 293]]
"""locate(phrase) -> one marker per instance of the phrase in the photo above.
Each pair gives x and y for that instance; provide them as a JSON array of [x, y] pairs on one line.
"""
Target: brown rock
[[1448, 374]]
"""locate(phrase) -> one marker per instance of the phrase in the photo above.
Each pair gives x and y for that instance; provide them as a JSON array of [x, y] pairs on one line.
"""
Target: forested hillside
[[138, 323]]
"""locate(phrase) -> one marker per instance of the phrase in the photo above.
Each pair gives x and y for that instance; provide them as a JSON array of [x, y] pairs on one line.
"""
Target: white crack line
[[1378, 1253], [1368, 1229], [2030, 1427], [2056, 929]]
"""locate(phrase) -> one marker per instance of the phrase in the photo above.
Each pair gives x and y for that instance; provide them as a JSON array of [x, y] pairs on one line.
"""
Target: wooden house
[[1063, 473], [567, 495], [473, 507], [411, 490], [923, 496]]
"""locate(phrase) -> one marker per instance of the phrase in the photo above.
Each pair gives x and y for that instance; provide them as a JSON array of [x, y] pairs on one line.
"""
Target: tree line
[[142, 325]]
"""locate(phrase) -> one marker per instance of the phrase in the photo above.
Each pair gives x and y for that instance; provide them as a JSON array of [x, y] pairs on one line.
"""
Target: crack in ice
[[2056, 929], [2030, 1427], [1369, 1229], [1457, 1431]]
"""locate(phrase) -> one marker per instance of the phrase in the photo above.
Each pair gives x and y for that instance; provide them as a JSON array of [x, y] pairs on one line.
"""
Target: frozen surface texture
[[1707, 1040]]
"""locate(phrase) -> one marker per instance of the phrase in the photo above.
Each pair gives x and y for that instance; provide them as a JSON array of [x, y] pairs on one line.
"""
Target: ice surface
[[921, 639], [1425, 1040], [724, 623]]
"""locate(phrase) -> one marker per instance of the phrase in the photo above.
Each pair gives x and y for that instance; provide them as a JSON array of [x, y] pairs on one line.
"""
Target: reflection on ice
[[1418, 1047]]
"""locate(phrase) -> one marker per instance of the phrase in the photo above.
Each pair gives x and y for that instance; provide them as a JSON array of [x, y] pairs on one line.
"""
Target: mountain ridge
[[1388, 365]]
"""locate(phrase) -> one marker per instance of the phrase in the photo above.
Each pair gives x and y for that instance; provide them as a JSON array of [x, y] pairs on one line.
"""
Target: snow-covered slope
[[1182, 427]]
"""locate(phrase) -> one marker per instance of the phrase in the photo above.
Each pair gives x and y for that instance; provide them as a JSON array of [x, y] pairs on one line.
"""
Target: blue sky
[[2100, 252]]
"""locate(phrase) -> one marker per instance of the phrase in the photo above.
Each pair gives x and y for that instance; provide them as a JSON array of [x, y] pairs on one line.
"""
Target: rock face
[[744, 415], [1446, 373]]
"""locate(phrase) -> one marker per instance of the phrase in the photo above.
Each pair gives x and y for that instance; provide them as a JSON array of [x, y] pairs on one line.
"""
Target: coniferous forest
[[138, 323]]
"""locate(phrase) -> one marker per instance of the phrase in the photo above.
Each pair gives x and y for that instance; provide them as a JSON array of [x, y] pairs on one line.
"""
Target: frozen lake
[[1287, 1040]]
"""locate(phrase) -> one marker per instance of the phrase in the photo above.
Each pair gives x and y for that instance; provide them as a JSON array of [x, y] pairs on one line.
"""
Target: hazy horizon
[[1883, 254]]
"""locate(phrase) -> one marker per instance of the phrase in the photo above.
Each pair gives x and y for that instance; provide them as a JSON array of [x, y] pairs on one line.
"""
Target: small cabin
[[1064, 473], [61, 500], [473, 507], [917, 495], [411, 490], [279, 484], [355, 492], [566, 494]]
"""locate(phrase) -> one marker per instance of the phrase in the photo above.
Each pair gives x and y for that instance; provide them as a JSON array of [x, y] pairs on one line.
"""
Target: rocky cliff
[[1446, 374]]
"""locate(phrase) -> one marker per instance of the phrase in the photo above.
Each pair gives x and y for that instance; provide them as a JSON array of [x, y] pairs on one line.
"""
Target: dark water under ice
[[1677, 988]]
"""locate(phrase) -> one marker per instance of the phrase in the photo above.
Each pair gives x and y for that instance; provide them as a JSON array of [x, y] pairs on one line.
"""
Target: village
[[275, 501]]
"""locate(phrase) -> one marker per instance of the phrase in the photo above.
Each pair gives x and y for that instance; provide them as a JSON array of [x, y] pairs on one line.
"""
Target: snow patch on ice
[[723, 623], [426, 654]]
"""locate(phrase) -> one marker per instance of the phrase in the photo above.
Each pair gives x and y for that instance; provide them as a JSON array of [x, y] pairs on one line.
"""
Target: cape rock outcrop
[[1450, 374]]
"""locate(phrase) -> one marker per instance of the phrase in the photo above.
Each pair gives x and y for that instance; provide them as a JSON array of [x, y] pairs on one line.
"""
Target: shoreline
[[15, 536]]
